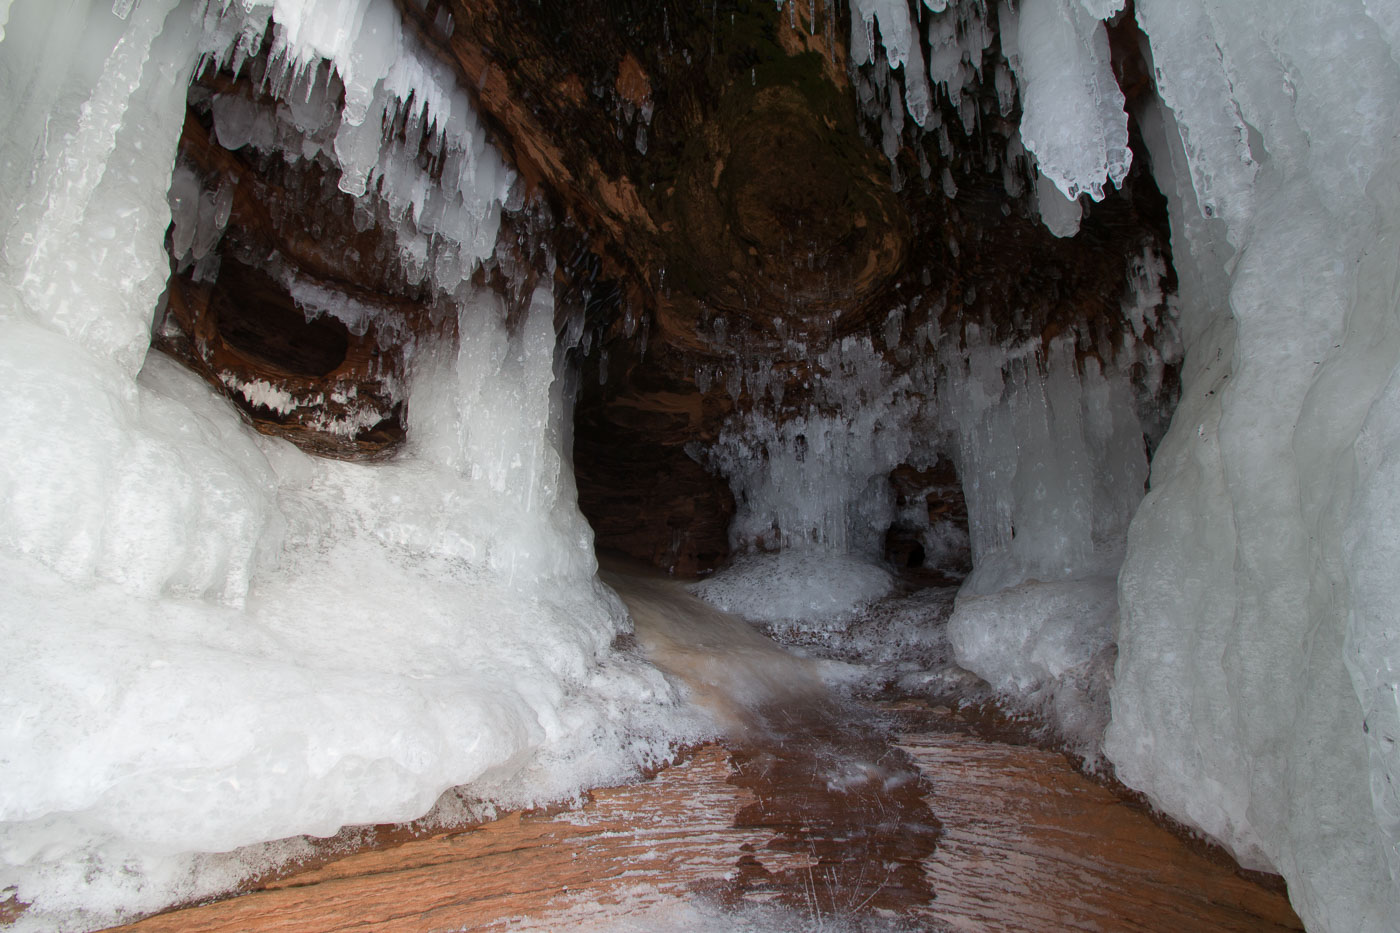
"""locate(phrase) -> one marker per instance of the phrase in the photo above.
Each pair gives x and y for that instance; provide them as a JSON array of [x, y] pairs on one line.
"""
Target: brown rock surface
[[1005, 837]]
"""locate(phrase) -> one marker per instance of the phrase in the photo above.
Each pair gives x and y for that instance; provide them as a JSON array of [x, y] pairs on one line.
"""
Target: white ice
[[214, 638], [1072, 115], [1256, 681]]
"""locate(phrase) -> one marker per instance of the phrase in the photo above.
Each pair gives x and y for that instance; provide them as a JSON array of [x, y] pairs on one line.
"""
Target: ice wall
[[214, 639], [1256, 682]]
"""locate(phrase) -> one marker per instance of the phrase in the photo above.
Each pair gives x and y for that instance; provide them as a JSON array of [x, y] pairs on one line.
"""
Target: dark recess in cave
[[258, 318]]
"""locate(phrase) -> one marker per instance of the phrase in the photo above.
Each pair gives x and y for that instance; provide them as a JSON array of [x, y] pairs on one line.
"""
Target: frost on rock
[[1256, 680], [215, 639]]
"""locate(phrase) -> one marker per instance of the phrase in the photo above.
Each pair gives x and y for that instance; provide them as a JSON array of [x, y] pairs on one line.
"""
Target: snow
[[216, 640]]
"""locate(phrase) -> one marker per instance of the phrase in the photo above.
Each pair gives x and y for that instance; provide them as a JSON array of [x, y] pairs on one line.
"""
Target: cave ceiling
[[711, 186]]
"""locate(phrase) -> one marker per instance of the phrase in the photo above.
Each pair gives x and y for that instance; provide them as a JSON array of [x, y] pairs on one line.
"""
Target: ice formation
[[1053, 462], [812, 486], [1072, 116], [1256, 685], [215, 639], [1054, 62], [1256, 693]]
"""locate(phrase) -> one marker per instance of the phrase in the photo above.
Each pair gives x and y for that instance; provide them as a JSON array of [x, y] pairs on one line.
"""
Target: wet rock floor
[[833, 816]]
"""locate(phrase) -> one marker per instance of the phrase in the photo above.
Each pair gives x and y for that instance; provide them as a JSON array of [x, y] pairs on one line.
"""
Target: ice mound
[[1047, 646], [795, 591]]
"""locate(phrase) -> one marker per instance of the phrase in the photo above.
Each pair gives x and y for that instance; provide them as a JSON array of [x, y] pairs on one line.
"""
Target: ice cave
[[1040, 351]]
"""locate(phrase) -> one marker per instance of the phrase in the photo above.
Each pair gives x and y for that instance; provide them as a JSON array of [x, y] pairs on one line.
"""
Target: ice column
[[1053, 464], [812, 486]]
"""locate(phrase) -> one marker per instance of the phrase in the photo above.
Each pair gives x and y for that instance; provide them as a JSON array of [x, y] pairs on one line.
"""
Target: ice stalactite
[[1072, 116], [1054, 64], [445, 221], [216, 640]]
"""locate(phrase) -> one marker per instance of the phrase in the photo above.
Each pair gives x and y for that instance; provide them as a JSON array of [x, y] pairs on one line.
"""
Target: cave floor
[[906, 816]]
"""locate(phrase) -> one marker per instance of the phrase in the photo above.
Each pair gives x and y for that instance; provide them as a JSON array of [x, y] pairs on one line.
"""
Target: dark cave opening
[[258, 318]]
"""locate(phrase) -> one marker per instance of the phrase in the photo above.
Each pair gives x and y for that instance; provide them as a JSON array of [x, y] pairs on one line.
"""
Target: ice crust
[[214, 639]]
